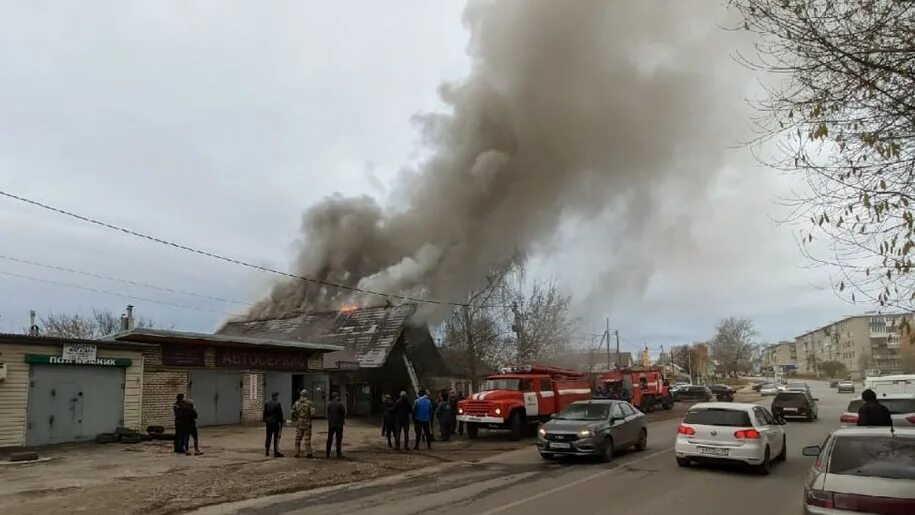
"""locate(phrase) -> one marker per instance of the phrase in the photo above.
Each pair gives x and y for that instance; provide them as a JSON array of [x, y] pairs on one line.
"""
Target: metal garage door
[[280, 383], [70, 403], [217, 397]]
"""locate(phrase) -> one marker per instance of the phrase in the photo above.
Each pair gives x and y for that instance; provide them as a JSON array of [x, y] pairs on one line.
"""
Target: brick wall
[[252, 402], [159, 390]]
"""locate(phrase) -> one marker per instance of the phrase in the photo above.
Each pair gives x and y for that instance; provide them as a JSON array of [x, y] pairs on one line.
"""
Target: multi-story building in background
[[781, 356], [866, 344]]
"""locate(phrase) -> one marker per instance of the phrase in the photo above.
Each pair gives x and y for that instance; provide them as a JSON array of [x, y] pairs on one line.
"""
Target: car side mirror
[[554, 415], [813, 450]]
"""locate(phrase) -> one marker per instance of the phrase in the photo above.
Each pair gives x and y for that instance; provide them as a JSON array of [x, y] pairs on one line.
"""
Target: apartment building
[[780, 356], [866, 344]]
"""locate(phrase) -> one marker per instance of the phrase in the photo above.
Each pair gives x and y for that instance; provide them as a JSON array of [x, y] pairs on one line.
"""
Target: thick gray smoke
[[570, 109]]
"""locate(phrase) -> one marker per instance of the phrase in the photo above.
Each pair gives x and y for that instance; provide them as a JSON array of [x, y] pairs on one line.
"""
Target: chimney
[[129, 317], [33, 327], [123, 322]]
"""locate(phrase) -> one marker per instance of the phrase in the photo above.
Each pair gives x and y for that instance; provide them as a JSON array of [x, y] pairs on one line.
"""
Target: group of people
[[303, 411], [185, 425], [400, 414]]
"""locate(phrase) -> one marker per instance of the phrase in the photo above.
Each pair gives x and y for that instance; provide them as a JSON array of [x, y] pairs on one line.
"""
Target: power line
[[106, 292], [224, 258], [123, 281]]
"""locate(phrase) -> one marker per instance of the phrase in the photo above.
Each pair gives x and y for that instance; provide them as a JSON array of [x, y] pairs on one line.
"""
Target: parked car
[[719, 432], [833, 383], [845, 387], [862, 470], [757, 386], [901, 406], [797, 387], [769, 389], [593, 428], [723, 392], [678, 386], [694, 393], [795, 404]]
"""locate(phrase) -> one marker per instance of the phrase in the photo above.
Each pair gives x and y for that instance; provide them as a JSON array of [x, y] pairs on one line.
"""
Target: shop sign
[[260, 359], [79, 352], [178, 356], [59, 360], [348, 365]]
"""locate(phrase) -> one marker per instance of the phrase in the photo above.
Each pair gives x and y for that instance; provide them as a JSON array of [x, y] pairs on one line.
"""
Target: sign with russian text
[[183, 356], [79, 352], [59, 360], [261, 359]]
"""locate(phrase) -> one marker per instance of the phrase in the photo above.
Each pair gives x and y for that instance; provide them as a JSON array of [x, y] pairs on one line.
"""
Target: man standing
[[872, 413], [302, 412], [273, 418], [336, 418], [179, 435], [402, 412], [422, 416]]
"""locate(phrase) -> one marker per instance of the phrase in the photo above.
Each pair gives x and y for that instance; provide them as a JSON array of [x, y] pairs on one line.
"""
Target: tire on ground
[[126, 431], [131, 438], [473, 430], [155, 429], [106, 438]]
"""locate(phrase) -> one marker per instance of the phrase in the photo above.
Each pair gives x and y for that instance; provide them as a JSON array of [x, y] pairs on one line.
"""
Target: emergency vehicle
[[521, 397], [644, 387]]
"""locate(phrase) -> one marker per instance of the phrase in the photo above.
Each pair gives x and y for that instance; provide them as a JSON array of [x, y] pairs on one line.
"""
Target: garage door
[[217, 397], [280, 383], [70, 403]]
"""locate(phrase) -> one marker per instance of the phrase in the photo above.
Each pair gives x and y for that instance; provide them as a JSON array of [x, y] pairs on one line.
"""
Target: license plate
[[713, 451], [474, 419], [792, 410], [560, 445]]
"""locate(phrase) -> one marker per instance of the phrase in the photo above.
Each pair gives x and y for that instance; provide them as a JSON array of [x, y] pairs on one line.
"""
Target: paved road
[[520, 482]]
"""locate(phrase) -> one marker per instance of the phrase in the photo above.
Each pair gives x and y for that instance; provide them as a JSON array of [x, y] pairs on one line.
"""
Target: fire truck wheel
[[642, 444], [473, 431], [606, 453], [516, 424]]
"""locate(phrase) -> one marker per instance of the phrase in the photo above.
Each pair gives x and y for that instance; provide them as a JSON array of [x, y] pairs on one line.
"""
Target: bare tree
[[733, 346], [842, 115], [540, 315], [100, 323]]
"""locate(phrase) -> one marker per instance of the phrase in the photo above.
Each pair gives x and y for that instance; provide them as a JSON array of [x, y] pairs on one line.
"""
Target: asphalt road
[[520, 482]]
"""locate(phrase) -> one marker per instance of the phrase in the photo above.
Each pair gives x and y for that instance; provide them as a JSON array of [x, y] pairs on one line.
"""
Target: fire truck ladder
[[412, 372]]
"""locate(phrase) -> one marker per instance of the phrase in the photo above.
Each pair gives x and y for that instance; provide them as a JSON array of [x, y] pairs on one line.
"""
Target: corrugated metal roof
[[160, 335], [368, 333]]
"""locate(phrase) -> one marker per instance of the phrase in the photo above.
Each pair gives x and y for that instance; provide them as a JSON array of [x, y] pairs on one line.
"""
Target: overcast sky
[[216, 124]]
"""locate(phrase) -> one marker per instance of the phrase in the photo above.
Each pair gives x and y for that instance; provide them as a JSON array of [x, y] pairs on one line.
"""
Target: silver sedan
[[593, 428]]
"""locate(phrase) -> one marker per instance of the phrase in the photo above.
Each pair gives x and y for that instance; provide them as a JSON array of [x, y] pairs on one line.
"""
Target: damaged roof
[[368, 333]]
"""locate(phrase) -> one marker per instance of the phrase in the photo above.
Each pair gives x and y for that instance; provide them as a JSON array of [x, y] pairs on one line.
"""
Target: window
[[526, 386], [617, 411], [628, 410], [585, 411], [501, 384], [546, 385], [718, 417], [874, 456]]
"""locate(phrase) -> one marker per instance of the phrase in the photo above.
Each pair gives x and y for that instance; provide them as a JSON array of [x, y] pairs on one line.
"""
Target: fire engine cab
[[644, 387], [520, 397]]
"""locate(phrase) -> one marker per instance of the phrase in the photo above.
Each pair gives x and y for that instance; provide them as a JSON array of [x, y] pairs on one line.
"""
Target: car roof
[[874, 431], [735, 406], [599, 401], [898, 377]]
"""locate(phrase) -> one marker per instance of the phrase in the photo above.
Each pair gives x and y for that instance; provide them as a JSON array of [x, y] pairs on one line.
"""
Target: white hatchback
[[725, 432]]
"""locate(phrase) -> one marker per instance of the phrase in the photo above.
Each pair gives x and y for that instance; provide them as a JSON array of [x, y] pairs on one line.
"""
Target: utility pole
[[617, 333], [689, 364]]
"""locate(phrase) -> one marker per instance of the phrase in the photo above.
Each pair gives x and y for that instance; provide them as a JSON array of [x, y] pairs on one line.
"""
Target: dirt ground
[[149, 478]]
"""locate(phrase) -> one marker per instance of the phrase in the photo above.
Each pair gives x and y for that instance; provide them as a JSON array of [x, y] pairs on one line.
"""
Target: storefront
[[55, 390], [229, 378]]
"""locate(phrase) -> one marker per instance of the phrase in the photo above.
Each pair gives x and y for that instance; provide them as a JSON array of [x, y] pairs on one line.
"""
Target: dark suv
[[693, 393], [723, 392], [795, 404]]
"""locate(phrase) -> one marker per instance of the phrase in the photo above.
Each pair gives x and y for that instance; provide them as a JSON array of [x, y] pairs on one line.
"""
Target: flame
[[349, 308]]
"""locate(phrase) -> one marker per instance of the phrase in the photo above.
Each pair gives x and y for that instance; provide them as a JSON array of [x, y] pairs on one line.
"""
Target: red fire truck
[[644, 387], [521, 397]]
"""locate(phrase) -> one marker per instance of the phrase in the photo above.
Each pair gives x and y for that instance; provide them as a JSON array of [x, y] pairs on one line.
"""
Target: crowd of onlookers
[[400, 415]]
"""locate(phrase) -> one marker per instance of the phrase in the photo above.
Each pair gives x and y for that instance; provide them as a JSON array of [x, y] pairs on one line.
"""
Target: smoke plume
[[570, 110]]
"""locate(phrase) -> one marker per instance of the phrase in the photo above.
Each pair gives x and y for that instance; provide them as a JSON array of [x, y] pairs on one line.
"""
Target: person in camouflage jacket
[[302, 412]]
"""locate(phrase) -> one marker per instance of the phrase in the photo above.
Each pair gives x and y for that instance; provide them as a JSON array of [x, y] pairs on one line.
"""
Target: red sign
[[260, 359]]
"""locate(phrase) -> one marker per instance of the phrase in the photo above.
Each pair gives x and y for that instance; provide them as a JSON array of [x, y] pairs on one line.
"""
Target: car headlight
[[498, 411], [460, 411], [585, 433], [541, 432]]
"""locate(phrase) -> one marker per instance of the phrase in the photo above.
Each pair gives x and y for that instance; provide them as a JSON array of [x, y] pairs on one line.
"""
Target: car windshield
[[718, 417], [874, 456], [846, 383], [502, 384], [791, 398], [798, 385], [896, 406], [585, 411]]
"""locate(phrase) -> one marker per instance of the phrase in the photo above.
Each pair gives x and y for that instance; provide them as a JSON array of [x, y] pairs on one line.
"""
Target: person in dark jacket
[[187, 420], [458, 426], [444, 416], [336, 418], [387, 423], [179, 438], [422, 418], [273, 419], [402, 411], [872, 413]]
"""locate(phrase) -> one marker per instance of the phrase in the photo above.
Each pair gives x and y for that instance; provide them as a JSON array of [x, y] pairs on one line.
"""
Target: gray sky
[[216, 124]]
